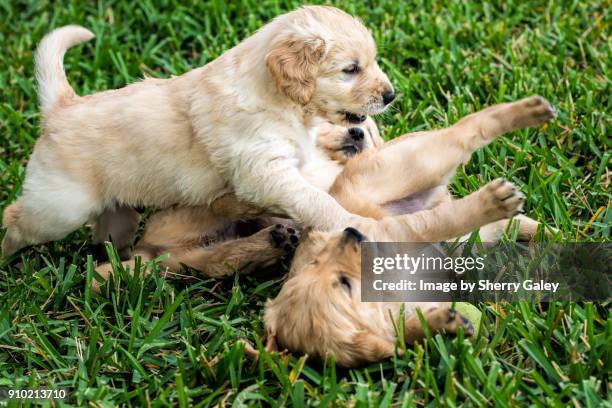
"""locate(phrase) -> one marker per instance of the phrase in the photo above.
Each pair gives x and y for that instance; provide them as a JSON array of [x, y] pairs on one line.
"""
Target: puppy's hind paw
[[502, 199], [534, 111], [285, 238]]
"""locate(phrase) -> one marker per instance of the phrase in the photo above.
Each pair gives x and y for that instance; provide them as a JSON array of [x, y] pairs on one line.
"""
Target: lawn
[[160, 343]]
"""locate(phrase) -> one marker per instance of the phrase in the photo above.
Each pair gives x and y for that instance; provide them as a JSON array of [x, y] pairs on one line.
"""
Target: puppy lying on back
[[239, 124], [319, 310]]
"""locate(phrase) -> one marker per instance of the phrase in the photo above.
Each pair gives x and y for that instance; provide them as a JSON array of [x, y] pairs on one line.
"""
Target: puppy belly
[[411, 204], [161, 188], [408, 205]]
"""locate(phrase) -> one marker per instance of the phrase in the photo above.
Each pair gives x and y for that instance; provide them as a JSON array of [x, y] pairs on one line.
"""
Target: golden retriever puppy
[[319, 310], [240, 123]]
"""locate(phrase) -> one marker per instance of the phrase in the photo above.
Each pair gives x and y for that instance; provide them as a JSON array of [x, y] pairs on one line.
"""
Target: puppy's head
[[319, 310], [342, 142], [324, 58]]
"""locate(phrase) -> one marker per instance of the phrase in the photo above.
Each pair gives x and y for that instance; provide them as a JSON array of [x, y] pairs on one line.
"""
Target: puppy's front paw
[[353, 142], [533, 111], [447, 320], [285, 238], [501, 199]]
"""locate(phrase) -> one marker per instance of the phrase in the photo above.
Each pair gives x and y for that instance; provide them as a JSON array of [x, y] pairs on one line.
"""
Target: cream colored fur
[[240, 124]]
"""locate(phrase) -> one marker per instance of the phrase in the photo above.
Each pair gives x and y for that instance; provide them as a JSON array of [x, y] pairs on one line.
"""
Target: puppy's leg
[[182, 227], [421, 161], [480, 128], [47, 213], [439, 319], [405, 166], [245, 254], [105, 269], [497, 200], [527, 229], [118, 224], [229, 206]]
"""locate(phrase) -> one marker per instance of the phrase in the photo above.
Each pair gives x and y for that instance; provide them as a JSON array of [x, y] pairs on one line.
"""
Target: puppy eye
[[345, 282], [351, 69]]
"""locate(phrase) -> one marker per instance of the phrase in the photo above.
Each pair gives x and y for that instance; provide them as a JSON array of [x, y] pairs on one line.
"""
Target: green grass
[[156, 342]]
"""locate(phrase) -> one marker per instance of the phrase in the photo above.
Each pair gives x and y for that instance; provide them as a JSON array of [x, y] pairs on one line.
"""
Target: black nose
[[352, 233], [356, 133], [388, 97]]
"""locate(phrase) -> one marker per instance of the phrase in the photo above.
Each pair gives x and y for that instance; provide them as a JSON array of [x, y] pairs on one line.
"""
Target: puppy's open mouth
[[353, 117]]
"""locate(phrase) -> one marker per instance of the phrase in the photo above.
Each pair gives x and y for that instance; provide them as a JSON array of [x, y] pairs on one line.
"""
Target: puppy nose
[[356, 133], [388, 97], [352, 233]]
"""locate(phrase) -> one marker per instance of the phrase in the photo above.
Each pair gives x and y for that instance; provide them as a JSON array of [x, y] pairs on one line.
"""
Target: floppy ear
[[294, 63]]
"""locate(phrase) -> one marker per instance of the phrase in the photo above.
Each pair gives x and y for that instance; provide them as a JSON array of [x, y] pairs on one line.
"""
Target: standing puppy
[[237, 124]]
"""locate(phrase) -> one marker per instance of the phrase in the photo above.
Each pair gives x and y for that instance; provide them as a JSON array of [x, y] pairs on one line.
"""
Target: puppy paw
[[533, 111], [501, 199], [285, 238], [353, 142], [444, 319]]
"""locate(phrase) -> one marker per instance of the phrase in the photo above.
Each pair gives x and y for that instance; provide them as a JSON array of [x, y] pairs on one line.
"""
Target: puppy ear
[[294, 63]]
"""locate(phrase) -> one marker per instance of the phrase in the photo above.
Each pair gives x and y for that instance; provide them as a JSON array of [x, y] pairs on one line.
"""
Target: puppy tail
[[52, 82]]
